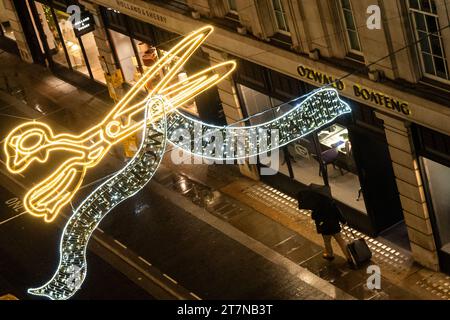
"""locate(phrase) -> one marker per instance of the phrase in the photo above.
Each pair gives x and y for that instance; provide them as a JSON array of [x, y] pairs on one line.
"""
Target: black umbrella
[[315, 197]]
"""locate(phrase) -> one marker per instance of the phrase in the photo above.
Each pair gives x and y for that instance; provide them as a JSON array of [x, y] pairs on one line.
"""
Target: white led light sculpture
[[35, 142], [317, 110], [72, 267]]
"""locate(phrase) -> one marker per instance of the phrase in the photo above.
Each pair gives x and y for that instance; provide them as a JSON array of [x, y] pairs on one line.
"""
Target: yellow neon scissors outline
[[35, 141]]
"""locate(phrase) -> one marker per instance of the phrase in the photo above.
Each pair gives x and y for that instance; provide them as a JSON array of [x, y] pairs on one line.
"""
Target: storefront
[[67, 46], [351, 155], [433, 152], [137, 45]]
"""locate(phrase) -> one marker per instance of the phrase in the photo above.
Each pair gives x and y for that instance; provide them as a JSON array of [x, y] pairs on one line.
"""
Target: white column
[[411, 190], [230, 103], [101, 39]]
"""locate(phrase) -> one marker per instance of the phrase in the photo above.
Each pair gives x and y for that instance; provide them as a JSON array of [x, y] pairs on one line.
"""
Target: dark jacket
[[325, 212], [328, 219]]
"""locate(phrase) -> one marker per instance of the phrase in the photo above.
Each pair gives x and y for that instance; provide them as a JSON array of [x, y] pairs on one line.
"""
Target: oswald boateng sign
[[358, 92]]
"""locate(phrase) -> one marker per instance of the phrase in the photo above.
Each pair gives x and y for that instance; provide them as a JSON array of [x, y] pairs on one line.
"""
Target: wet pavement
[[273, 218], [159, 229], [289, 243], [28, 257], [188, 251]]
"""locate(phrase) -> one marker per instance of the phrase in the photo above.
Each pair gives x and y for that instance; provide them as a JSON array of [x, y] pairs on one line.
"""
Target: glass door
[[52, 36], [73, 46]]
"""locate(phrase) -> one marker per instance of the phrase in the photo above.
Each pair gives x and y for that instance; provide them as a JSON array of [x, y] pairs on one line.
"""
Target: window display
[[301, 162], [125, 55], [90, 46], [133, 66], [191, 107], [65, 48], [54, 41], [335, 136]]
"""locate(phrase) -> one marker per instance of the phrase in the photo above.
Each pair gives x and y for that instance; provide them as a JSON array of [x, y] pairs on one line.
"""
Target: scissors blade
[[179, 53], [187, 89]]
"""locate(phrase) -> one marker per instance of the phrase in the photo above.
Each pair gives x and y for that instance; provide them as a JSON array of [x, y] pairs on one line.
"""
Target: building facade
[[391, 156]]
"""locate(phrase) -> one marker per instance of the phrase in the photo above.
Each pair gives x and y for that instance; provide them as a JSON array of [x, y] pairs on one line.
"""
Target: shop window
[[259, 106], [126, 56], [65, 48], [90, 46], [438, 177], [190, 107], [54, 41], [71, 42], [334, 149], [426, 27], [260, 92], [351, 29]]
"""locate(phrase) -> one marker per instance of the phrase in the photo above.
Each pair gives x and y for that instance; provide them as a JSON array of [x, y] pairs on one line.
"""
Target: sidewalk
[[258, 210], [48, 97], [274, 219]]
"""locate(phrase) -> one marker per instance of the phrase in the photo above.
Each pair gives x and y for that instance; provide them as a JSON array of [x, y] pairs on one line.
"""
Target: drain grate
[[382, 253]]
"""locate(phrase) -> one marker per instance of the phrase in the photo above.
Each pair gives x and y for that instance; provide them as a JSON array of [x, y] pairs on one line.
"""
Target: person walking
[[327, 218]]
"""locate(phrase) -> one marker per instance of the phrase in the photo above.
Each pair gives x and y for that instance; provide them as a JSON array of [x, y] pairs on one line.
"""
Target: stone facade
[[8, 13], [412, 194]]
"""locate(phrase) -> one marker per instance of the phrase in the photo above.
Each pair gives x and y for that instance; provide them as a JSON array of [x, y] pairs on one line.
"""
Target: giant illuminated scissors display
[[152, 109]]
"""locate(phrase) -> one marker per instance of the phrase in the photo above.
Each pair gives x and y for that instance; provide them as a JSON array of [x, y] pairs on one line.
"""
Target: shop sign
[[141, 11], [83, 25], [320, 78], [358, 92], [381, 100]]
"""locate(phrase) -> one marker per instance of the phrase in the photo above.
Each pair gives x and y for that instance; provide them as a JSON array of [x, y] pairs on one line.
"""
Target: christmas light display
[[161, 123], [314, 112], [72, 267], [35, 141]]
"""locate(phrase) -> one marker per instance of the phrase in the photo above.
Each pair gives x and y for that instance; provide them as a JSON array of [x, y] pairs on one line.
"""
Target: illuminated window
[[350, 26], [280, 17], [427, 31]]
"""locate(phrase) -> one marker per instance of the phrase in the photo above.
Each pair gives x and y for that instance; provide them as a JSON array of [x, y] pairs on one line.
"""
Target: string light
[[317, 110], [72, 267], [162, 123], [35, 141]]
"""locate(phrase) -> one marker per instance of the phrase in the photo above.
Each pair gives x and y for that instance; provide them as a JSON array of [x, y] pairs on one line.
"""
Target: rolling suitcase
[[359, 252]]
